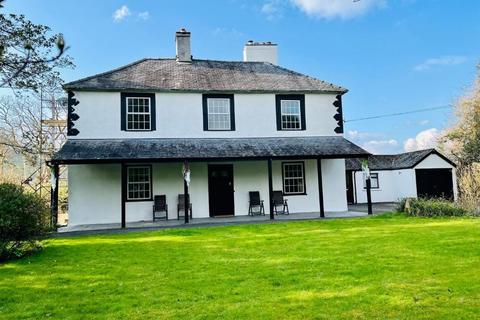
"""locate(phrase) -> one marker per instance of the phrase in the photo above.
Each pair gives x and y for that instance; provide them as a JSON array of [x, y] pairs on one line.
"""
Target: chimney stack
[[260, 52], [182, 41]]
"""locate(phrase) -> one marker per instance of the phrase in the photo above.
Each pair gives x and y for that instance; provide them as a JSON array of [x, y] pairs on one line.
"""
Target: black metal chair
[[160, 205], [255, 202], [278, 201], [181, 206]]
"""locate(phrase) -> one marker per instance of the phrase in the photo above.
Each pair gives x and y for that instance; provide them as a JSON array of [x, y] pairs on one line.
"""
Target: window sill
[[294, 194], [139, 200]]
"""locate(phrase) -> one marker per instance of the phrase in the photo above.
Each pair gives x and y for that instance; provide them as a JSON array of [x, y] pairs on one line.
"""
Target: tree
[[29, 56], [463, 138], [462, 141]]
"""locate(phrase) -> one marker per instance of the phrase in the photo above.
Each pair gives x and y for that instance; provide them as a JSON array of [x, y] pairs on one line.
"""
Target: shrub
[[434, 208], [400, 205], [24, 219]]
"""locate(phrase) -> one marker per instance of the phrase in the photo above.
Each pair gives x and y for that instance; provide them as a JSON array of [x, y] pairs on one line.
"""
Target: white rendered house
[[424, 174], [239, 126]]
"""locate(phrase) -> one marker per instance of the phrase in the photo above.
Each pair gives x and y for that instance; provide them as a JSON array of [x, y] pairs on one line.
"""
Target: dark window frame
[[150, 185], [205, 98], [123, 105], [372, 187], [304, 178], [278, 104]]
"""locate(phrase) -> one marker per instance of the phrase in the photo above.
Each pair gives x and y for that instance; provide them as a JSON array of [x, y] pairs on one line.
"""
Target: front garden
[[387, 267]]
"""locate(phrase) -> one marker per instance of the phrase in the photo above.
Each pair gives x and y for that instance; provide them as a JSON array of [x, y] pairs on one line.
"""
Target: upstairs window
[[218, 112], [291, 115], [290, 112], [293, 178], [138, 111], [139, 183]]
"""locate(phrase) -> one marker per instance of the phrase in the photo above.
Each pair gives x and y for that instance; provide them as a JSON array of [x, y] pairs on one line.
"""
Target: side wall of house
[[94, 194], [180, 115], [95, 190]]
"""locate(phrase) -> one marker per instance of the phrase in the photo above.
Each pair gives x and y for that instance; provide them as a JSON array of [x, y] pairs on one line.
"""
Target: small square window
[[373, 181]]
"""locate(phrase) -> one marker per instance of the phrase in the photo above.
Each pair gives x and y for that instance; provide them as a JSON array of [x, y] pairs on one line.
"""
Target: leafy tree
[[462, 141], [463, 138], [29, 56]]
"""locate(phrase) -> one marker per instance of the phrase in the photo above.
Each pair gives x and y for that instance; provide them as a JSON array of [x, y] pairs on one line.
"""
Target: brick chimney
[[182, 42]]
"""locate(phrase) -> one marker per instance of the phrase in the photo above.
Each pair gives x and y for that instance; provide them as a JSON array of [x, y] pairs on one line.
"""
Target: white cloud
[[424, 122], [227, 32], [381, 146], [144, 15], [272, 9], [424, 140], [121, 13], [344, 9], [441, 61], [374, 142]]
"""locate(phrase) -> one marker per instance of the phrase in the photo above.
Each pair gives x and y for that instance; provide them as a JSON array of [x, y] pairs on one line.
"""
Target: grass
[[389, 267]]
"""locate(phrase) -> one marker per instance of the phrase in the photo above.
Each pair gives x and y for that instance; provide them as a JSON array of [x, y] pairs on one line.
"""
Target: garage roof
[[394, 161]]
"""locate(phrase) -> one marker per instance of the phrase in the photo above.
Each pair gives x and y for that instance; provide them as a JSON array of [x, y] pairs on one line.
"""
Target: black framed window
[[290, 112], [293, 174], [138, 111], [218, 112], [139, 183], [373, 181]]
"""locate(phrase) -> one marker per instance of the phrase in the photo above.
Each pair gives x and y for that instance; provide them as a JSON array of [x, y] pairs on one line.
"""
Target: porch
[[206, 222], [101, 171]]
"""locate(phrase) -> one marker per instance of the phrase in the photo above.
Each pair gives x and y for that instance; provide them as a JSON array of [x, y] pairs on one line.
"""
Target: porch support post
[[369, 195], [124, 193], [270, 189], [320, 188], [54, 194], [186, 196]]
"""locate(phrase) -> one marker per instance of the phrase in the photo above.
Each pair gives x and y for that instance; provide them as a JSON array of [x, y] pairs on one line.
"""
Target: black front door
[[434, 183], [220, 190], [350, 189]]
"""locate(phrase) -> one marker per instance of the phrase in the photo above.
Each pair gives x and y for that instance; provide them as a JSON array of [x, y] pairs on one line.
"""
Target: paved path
[[200, 222]]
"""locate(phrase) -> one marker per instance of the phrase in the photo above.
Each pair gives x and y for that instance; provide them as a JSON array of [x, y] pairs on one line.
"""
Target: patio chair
[[279, 202], [181, 206], [160, 206], [255, 202]]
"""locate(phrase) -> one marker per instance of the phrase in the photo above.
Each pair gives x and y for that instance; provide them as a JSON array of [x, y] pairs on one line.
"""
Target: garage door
[[434, 183]]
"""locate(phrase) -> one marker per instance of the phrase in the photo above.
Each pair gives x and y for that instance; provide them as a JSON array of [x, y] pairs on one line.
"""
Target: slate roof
[[393, 161], [116, 150], [203, 76]]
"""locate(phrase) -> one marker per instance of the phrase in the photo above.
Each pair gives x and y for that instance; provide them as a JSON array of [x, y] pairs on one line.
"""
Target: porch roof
[[204, 149]]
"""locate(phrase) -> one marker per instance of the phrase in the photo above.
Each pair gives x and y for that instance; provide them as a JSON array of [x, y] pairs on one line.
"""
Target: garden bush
[[433, 208], [24, 219]]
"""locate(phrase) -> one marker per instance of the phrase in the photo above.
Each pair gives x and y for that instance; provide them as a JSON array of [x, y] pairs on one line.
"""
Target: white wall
[[393, 185], [95, 190], [94, 194], [181, 115], [398, 184]]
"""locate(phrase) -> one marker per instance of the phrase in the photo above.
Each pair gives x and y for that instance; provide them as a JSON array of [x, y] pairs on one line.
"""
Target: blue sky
[[393, 55]]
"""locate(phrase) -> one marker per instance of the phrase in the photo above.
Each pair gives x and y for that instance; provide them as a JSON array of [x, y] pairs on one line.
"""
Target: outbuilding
[[424, 173]]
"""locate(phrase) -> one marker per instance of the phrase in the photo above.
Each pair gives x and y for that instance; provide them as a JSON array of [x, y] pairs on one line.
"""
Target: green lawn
[[388, 267]]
